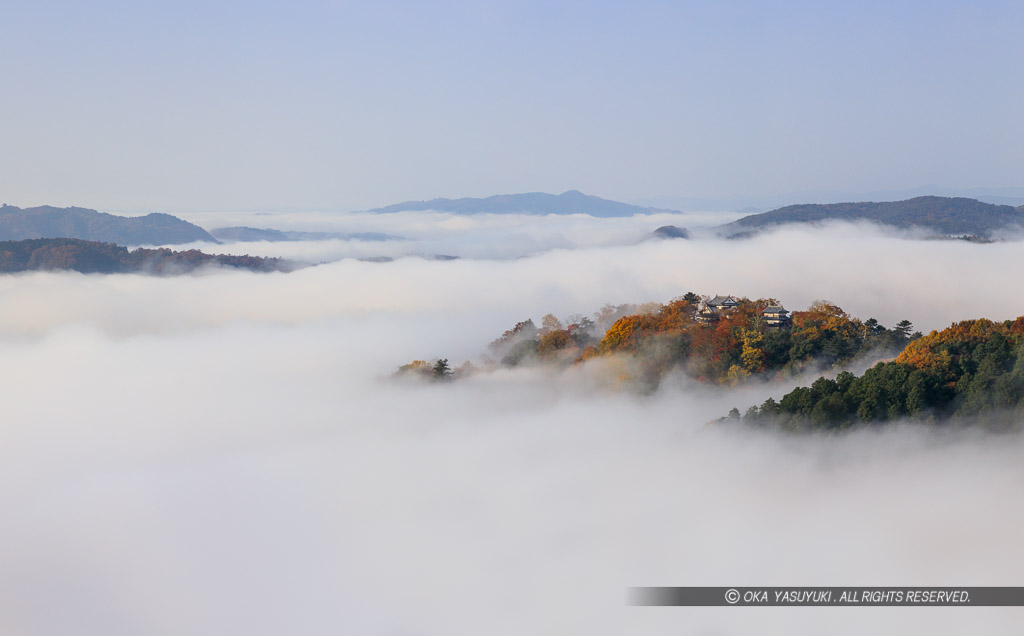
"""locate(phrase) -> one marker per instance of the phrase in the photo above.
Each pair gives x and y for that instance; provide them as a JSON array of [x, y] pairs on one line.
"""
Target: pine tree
[[442, 370]]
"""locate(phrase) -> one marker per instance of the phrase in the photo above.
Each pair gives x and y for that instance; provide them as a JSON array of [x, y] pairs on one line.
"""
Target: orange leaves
[[627, 332], [821, 313], [823, 318], [826, 309], [623, 335], [964, 332], [967, 331], [939, 351], [925, 358], [723, 339], [676, 315]]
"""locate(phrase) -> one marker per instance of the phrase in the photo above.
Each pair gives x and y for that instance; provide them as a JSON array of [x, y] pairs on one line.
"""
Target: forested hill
[[942, 215], [974, 368], [81, 223], [93, 257], [571, 202], [645, 343]]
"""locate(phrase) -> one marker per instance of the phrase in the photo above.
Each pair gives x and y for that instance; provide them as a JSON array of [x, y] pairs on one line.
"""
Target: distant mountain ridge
[[571, 202], [752, 204], [944, 215], [82, 223], [243, 234]]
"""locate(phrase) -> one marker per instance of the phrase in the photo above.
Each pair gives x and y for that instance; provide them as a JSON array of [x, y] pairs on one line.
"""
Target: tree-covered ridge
[[944, 215], [107, 258], [717, 346], [974, 367], [82, 223]]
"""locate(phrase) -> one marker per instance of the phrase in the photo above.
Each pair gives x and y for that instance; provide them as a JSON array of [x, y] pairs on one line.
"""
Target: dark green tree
[[442, 370], [903, 328]]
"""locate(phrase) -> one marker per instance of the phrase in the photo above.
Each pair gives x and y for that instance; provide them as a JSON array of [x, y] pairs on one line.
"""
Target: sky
[[193, 106]]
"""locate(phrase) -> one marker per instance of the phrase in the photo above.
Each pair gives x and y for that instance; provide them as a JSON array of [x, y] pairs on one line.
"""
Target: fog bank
[[865, 271], [255, 479], [224, 453]]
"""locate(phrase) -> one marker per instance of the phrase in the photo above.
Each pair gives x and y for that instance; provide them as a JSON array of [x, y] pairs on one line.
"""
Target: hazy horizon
[[724, 205]]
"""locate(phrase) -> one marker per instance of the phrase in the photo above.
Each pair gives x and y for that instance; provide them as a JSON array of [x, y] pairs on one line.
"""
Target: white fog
[[227, 453]]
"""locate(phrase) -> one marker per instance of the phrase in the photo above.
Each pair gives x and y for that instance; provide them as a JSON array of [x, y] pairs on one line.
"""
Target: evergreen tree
[[442, 370]]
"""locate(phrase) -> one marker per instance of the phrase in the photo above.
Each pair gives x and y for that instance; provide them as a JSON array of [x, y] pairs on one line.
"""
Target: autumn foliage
[[654, 339], [972, 368]]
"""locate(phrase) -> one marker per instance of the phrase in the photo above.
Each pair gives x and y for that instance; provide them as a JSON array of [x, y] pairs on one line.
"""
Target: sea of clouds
[[227, 453]]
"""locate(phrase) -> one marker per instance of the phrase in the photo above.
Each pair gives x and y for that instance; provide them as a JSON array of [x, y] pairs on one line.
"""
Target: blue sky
[[196, 106]]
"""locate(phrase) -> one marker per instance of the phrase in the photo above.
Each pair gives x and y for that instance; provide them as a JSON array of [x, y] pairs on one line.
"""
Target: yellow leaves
[[752, 338], [736, 374], [837, 323], [416, 368], [415, 365], [752, 355]]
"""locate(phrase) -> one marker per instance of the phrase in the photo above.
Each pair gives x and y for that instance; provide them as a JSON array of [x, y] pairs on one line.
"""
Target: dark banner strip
[[827, 596]]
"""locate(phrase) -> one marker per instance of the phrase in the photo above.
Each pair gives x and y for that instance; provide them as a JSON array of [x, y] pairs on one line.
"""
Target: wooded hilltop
[[90, 257], [722, 340], [971, 369]]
